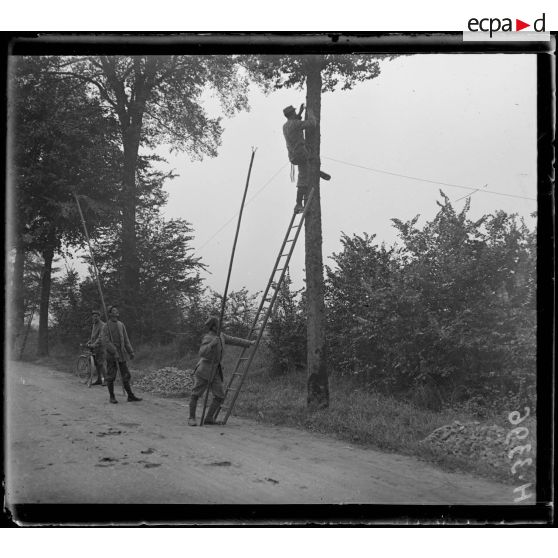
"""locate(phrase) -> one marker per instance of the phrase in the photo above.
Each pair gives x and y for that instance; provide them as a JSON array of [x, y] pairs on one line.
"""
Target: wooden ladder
[[264, 311]]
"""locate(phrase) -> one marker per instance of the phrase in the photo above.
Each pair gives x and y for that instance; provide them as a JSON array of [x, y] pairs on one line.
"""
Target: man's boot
[[193, 404], [213, 410], [110, 386], [131, 396]]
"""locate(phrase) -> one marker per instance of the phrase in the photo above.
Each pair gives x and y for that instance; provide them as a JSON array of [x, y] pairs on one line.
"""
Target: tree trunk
[[46, 280], [318, 386], [18, 294], [129, 283]]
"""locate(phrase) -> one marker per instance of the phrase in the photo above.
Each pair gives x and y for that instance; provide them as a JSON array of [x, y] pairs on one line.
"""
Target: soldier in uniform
[[211, 353], [98, 345], [119, 351], [293, 130]]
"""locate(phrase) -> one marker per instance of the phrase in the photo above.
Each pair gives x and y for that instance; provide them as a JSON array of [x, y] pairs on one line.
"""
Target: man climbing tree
[[293, 130], [321, 73]]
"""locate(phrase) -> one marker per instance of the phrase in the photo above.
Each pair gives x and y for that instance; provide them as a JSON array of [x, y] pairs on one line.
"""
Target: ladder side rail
[[262, 303], [269, 309], [270, 282]]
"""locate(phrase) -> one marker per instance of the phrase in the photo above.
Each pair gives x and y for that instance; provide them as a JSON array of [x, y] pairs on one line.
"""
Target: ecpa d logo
[[496, 25]]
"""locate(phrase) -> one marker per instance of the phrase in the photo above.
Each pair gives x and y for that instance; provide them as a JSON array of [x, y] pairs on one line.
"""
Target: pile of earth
[[168, 381], [497, 447]]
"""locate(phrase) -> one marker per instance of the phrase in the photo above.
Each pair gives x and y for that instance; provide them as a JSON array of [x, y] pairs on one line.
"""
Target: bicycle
[[85, 366]]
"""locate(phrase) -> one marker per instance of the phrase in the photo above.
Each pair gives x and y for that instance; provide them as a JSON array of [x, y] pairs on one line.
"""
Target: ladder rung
[[260, 321]]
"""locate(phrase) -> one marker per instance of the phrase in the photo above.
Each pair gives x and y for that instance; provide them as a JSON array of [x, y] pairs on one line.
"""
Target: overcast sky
[[462, 119]]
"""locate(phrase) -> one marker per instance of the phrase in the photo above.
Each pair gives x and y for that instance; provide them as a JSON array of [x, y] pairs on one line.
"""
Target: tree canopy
[[63, 144], [157, 99], [342, 71]]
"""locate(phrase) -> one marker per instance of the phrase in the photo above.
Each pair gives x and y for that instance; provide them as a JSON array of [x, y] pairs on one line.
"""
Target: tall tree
[[158, 99], [169, 271], [63, 143], [320, 73]]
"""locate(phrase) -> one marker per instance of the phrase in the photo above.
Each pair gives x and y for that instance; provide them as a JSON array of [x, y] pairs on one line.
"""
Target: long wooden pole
[[95, 270], [223, 302], [96, 274]]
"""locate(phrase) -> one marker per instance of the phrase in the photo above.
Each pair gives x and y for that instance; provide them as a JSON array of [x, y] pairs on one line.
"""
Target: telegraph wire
[[247, 203], [472, 189], [431, 181]]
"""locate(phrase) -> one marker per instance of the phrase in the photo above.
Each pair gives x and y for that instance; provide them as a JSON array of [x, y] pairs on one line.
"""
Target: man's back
[[294, 136]]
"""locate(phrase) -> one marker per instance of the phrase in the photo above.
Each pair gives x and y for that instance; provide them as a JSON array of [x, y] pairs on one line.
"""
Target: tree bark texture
[[317, 381], [129, 283], [18, 295], [130, 113], [46, 281]]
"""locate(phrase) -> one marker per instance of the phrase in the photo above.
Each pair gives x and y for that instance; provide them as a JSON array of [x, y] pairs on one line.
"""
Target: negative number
[[520, 463], [519, 450], [515, 417], [520, 433]]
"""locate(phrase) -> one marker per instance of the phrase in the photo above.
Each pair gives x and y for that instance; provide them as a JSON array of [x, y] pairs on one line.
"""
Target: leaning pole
[[223, 302]]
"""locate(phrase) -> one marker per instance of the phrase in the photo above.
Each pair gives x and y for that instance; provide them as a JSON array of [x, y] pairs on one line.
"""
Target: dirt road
[[67, 444]]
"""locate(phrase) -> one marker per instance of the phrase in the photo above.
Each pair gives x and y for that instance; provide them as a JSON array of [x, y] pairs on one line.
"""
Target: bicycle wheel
[[83, 371], [92, 370]]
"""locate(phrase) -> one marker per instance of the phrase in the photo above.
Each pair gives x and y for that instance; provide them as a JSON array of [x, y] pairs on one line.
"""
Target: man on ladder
[[293, 130]]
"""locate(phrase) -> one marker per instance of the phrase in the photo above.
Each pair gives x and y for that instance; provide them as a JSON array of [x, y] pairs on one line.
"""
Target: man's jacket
[[211, 352], [122, 350], [294, 137], [98, 339]]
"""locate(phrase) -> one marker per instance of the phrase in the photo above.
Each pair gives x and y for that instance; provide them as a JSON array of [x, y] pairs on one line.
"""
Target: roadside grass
[[356, 416]]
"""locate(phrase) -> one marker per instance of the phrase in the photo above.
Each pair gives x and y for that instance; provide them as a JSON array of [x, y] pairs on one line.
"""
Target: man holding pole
[[209, 366], [119, 352]]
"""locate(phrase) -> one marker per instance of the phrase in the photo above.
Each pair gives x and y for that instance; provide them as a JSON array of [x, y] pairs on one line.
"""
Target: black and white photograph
[[276, 271]]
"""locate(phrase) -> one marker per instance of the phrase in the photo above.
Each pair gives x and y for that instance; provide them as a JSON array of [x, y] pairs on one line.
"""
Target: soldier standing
[[119, 351], [98, 345], [211, 353]]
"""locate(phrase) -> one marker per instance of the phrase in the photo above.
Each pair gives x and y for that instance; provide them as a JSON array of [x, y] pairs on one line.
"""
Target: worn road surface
[[66, 444]]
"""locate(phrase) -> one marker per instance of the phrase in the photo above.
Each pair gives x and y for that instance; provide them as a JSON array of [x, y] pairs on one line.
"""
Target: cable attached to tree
[[223, 302]]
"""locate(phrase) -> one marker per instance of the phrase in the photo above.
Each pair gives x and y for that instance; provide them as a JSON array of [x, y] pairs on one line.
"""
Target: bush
[[448, 315], [285, 337]]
